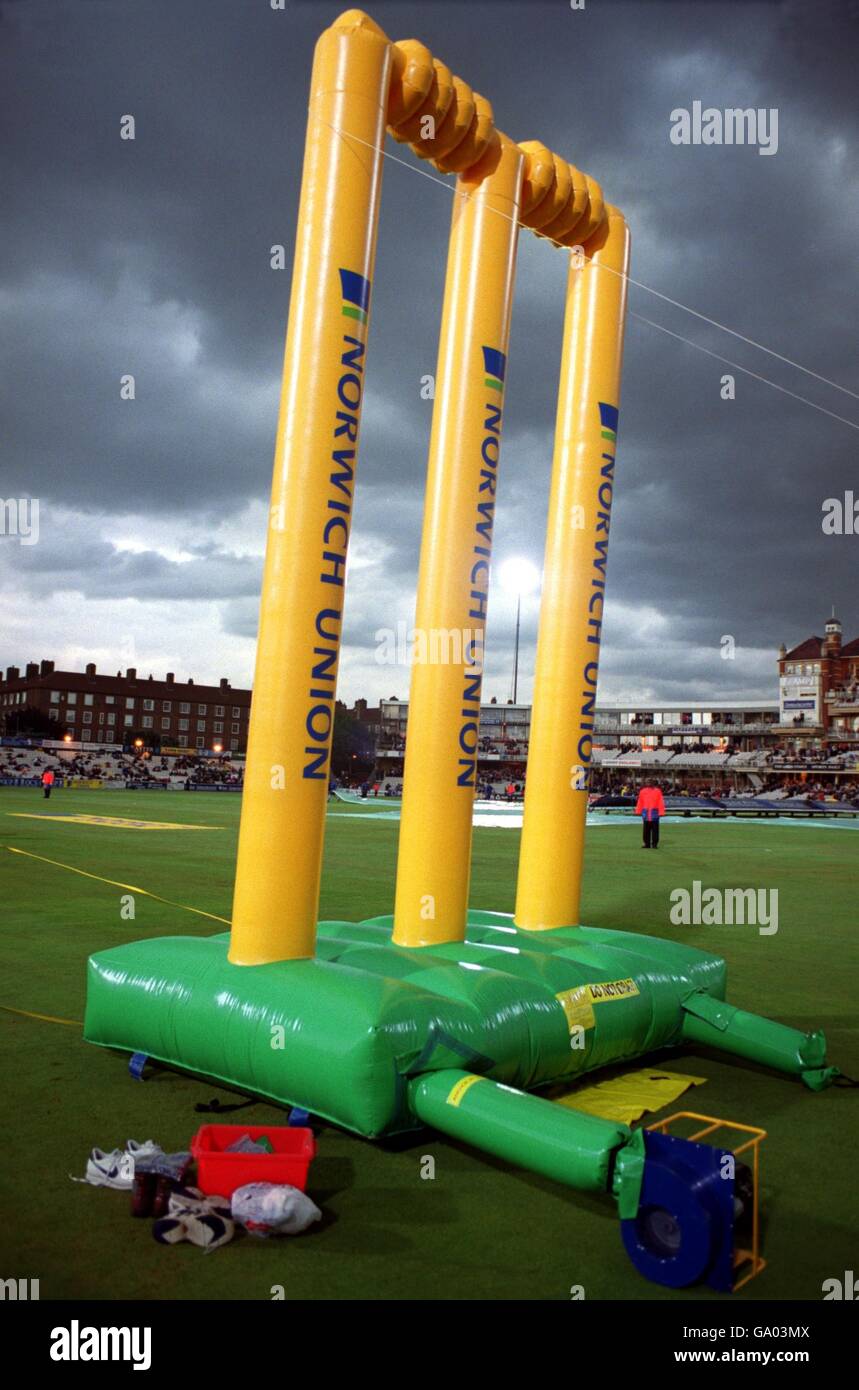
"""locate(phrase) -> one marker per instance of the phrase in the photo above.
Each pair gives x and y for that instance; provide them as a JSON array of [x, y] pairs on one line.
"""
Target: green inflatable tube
[[565, 1145], [718, 1024]]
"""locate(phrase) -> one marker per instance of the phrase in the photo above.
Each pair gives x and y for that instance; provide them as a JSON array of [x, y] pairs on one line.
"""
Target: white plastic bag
[[269, 1209]]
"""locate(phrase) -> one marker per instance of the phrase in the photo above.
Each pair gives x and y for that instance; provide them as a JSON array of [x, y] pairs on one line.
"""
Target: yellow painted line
[[117, 822], [45, 1018], [129, 887]]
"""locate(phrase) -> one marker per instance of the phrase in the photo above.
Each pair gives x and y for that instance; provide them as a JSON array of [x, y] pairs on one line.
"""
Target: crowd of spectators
[[113, 768], [776, 773], [769, 788]]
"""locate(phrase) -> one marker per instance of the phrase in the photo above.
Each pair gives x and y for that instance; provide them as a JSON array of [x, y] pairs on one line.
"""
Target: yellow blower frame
[[748, 1262]]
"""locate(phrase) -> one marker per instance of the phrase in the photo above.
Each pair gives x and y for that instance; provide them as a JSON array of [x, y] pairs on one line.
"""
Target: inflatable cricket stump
[[440, 1016]]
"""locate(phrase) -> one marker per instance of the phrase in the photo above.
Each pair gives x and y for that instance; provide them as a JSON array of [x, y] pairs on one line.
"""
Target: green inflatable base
[[345, 1035]]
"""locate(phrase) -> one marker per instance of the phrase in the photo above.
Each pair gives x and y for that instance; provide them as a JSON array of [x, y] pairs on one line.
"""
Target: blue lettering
[[351, 380]]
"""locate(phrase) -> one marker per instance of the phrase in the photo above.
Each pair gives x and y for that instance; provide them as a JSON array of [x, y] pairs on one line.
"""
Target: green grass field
[[478, 1230]]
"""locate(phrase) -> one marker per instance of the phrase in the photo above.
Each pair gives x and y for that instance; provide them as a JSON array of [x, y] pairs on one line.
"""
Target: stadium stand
[[114, 769]]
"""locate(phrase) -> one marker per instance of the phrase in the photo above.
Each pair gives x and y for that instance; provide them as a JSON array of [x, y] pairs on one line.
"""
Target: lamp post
[[518, 576]]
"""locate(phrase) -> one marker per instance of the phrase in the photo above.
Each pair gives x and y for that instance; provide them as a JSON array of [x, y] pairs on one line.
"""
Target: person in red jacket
[[650, 806], [47, 782]]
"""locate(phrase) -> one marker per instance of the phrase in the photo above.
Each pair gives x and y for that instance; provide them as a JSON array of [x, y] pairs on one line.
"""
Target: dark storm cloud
[[97, 569], [152, 257]]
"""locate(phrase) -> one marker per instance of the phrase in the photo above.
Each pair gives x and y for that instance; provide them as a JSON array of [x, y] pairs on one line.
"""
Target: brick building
[[121, 709], [819, 686]]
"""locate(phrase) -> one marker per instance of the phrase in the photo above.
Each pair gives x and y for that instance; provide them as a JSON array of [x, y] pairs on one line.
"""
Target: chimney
[[12, 673], [170, 678], [190, 682], [225, 684], [90, 670], [47, 668], [32, 669], [131, 673]]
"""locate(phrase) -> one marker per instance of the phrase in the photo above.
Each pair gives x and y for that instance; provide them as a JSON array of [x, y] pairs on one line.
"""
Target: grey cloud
[[152, 258]]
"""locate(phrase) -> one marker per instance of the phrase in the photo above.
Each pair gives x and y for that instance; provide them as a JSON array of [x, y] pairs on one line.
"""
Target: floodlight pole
[[516, 647]]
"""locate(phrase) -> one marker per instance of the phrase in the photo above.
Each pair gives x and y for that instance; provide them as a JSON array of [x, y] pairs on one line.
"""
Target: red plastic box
[[220, 1173]]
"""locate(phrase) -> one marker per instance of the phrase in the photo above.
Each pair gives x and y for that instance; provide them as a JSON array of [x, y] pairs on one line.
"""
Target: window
[[149, 704], [109, 700], [167, 706], [87, 699], [87, 716], [219, 711], [147, 721], [234, 728], [184, 709], [201, 709], [129, 702], [201, 742], [165, 723], [72, 698], [237, 709], [128, 721], [183, 740], [55, 697], [111, 718], [183, 724], [201, 724], [218, 727]]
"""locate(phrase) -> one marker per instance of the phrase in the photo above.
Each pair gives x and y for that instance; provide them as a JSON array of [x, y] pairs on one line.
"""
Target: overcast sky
[[152, 257]]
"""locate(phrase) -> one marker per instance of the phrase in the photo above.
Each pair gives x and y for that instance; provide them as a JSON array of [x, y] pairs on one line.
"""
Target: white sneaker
[[115, 1169], [148, 1149]]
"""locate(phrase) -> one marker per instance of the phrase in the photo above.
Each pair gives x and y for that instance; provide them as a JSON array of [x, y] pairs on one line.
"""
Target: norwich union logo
[[608, 419], [494, 364], [356, 295]]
